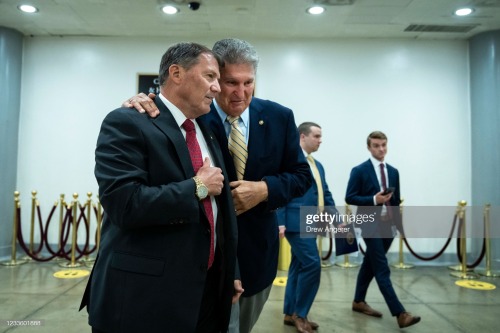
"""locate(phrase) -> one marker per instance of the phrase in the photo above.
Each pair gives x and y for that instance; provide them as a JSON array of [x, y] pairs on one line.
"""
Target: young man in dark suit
[[167, 255], [275, 171], [374, 187]]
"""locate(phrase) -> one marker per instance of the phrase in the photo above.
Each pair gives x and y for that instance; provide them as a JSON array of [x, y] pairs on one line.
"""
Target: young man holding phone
[[374, 187]]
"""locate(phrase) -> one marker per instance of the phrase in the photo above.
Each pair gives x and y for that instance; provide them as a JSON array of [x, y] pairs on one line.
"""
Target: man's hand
[[247, 194], [282, 230], [381, 199], [238, 290], [143, 103], [212, 177]]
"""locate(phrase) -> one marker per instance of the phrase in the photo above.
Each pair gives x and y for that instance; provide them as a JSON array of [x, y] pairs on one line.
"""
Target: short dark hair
[[183, 54], [305, 127], [375, 135]]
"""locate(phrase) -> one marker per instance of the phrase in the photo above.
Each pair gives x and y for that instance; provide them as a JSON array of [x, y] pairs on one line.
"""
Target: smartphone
[[388, 190]]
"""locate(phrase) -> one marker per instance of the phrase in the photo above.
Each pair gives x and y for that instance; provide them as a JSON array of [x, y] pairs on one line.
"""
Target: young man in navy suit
[[276, 172], [168, 248], [374, 187], [305, 267]]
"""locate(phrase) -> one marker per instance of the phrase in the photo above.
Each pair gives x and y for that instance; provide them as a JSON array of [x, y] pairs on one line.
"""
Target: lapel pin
[[261, 122]]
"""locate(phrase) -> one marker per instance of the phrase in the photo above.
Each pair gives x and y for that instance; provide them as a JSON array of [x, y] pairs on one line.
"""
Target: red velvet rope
[[65, 234]]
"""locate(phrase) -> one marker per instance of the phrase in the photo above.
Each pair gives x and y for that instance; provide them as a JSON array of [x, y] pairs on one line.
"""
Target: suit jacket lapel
[[373, 175], [257, 135], [211, 144], [167, 124]]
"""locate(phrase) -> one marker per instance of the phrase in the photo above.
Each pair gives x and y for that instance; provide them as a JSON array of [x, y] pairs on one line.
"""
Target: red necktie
[[197, 160], [384, 187]]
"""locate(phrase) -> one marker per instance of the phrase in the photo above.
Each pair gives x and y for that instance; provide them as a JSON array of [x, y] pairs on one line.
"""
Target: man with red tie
[[374, 187], [167, 255]]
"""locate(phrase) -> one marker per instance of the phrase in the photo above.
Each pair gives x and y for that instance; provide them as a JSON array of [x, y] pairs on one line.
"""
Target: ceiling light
[[464, 11], [27, 8], [169, 9], [315, 10]]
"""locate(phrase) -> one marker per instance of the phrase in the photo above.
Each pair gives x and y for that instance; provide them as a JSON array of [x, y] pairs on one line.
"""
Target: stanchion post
[[32, 225], [463, 274], [459, 213], [89, 262], [31, 248], [62, 204], [346, 263], [401, 264], [487, 272], [13, 257], [74, 206]]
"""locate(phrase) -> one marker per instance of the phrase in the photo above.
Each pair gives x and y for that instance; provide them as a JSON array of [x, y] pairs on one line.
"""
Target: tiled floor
[[31, 292]]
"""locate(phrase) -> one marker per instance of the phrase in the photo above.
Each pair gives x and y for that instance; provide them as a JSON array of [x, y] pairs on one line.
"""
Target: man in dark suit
[[275, 171], [167, 255], [305, 267], [374, 187]]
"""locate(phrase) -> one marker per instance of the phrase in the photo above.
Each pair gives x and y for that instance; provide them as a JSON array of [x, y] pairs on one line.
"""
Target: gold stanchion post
[[460, 222], [72, 273], [62, 204], [487, 272], [74, 219], [463, 274], [31, 247], [89, 262], [401, 264], [13, 257], [346, 263]]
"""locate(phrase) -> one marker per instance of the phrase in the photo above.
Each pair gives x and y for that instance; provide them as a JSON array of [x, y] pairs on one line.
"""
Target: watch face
[[202, 191]]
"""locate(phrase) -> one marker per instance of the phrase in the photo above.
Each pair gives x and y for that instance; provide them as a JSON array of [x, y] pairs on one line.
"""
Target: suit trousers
[[208, 318], [246, 312], [304, 275], [375, 265]]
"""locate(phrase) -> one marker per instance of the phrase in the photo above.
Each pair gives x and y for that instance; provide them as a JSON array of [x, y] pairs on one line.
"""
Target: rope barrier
[[72, 219], [65, 231], [440, 252]]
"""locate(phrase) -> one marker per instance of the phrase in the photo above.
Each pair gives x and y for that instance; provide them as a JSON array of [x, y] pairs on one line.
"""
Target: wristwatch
[[201, 189]]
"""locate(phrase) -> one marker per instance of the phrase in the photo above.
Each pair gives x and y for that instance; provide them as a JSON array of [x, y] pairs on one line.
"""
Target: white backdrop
[[417, 92]]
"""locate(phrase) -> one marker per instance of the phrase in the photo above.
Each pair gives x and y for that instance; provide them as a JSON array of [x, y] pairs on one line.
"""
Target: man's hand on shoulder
[[142, 104]]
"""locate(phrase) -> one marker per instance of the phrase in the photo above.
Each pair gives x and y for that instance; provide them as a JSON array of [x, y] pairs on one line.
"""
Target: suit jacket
[[275, 156], [150, 272], [289, 216], [362, 186]]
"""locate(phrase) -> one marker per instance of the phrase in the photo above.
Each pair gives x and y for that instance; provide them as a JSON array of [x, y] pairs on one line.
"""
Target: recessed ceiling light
[[170, 10], [27, 8], [315, 10], [464, 11]]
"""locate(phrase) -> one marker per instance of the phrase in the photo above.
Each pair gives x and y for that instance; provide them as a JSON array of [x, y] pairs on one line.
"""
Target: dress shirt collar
[[244, 117], [176, 113], [376, 163]]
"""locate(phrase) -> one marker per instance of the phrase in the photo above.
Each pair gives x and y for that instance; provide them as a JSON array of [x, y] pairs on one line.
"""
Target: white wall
[[414, 91]]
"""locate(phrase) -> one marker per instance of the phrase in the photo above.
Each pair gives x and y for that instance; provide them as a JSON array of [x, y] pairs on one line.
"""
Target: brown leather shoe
[[366, 309], [405, 319], [288, 320], [302, 325]]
